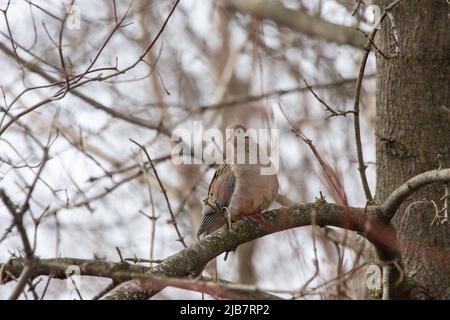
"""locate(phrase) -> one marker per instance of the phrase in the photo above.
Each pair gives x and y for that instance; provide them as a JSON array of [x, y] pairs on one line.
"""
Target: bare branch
[[13, 44], [190, 261], [75, 82], [333, 112], [163, 190], [120, 272], [299, 21], [361, 164]]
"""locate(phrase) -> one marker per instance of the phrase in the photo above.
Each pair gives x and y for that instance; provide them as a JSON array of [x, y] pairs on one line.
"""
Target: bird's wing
[[219, 195]]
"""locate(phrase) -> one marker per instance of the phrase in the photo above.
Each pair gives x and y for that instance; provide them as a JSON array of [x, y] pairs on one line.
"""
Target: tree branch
[[189, 262], [91, 101], [396, 198], [367, 48], [120, 272], [138, 282], [299, 21], [163, 190]]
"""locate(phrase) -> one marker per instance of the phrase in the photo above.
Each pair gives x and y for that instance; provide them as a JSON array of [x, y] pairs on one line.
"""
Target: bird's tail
[[209, 219]]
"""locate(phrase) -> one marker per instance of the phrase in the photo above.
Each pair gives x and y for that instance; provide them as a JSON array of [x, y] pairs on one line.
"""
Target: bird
[[238, 190]]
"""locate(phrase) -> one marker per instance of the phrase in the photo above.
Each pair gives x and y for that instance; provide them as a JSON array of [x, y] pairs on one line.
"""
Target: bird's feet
[[257, 217], [226, 256], [227, 217], [227, 252]]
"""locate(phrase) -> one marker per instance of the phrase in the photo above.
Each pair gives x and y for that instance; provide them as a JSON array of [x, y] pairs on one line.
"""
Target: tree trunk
[[413, 135]]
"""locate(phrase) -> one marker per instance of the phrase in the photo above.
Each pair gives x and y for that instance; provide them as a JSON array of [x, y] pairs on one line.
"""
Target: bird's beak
[[229, 138], [246, 136]]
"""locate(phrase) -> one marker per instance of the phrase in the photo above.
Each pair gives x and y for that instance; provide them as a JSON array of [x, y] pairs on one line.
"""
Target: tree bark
[[413, 136]]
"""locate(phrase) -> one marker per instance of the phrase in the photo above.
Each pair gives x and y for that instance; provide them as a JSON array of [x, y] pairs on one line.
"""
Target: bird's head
[[236, 131]]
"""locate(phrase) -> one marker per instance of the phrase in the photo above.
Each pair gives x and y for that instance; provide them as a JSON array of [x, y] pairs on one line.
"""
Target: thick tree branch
[[189, 262], [371, 222], [396, 198], [57, 268], [138, 282], [299, 21], [120, 272]]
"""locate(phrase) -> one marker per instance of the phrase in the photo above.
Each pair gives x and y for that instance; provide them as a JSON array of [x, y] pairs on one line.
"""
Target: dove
[[238, 190]]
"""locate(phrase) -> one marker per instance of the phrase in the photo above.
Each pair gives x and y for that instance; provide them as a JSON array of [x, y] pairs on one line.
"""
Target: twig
[[362, 166], [75, 82], [60, 47], [163, 190], [245, 100], [152, 218], [13, 44], [316, 259], [32, 288], [384, 55], [333, 112], [76, 288], [107, 40], [140, 260], [338, 239], [18, 215], [46, 287], [87, 201], [54, 16], [332, 179], [120, 254], [356, 6]]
